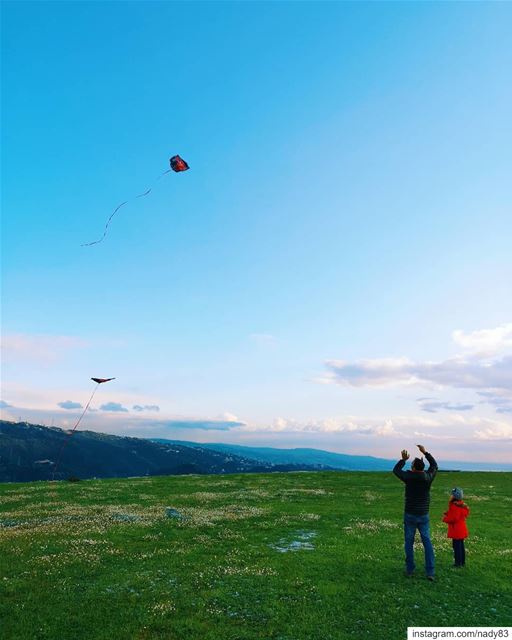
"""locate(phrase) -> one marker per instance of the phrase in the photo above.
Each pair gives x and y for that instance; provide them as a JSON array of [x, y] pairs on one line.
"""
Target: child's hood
[[459, 504]]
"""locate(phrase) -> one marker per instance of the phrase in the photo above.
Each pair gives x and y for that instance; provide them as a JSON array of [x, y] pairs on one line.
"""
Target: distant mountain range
[[339, 461], [270, 455], [30, 452]]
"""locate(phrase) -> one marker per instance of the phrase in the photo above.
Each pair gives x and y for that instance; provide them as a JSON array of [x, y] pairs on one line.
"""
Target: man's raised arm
[[432, 469], [398, 468]]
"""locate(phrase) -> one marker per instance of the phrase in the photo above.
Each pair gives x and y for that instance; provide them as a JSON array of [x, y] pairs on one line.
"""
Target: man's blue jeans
[[422, 523]]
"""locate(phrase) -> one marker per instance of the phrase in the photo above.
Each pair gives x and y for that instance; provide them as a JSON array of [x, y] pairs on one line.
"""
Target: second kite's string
[[68, 438]]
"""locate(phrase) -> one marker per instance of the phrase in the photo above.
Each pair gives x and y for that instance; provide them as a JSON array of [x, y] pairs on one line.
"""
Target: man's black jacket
[[417, 486]]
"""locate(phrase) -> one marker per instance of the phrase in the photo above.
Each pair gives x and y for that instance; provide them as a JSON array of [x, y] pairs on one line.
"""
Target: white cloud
[[499, 432], [374, 372], [485, 342], [69, 404], [164, 427], [480, 369], [500, 399], [387, 429], [432, 405], [458, 372], [204, 424], [113, 406], [456, 428], [434, 436], [230, 417], [146, 407], [348, 425]]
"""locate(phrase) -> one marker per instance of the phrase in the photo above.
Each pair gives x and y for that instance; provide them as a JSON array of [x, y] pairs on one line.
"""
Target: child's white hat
[[457, 493]]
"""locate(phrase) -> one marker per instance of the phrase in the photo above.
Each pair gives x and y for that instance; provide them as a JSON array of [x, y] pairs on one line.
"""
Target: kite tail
[[141, 195], [73, 431], [88, 244]]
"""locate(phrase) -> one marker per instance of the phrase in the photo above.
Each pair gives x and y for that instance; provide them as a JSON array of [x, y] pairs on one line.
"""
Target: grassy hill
[[289, 556], [30, 452]]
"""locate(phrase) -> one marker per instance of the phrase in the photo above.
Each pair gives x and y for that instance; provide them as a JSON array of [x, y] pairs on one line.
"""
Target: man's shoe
[[408, 574], [431, 578]]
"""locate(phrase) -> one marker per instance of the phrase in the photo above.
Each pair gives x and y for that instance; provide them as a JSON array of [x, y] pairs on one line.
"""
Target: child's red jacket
[[456, 519]]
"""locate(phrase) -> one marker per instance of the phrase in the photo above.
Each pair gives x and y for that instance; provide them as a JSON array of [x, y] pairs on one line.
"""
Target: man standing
[[417, 501]]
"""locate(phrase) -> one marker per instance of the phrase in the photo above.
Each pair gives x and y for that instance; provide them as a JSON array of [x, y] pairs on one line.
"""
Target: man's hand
[[421, 448], [405, 455]]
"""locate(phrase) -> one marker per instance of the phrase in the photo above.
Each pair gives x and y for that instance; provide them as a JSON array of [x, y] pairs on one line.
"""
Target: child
[[455, 517]]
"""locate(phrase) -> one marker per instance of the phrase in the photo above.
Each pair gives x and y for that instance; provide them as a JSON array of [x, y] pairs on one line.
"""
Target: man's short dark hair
[[418, 464]]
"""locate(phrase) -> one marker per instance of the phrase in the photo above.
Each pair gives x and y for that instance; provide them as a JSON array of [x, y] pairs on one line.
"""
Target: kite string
[[70, 433], [141, 195]]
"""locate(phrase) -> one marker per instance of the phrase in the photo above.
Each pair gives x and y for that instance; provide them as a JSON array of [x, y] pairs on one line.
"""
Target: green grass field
[[274, 556]]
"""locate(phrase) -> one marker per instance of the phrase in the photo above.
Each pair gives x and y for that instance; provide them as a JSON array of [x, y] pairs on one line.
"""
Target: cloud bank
[[205, 425], [457, 428], [459, 372], [481, 369]]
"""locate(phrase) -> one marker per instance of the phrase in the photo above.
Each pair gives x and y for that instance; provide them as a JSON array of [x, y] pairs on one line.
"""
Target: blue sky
[[347, 210]]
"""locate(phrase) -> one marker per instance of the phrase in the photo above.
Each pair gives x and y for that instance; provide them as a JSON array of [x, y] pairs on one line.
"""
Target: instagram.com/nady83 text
[[437, 633]]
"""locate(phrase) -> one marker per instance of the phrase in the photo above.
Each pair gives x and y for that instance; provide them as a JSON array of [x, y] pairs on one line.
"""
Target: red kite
[[177, 165]]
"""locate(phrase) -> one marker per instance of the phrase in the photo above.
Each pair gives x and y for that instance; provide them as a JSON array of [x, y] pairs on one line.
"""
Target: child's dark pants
[[459, 552]]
